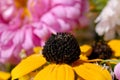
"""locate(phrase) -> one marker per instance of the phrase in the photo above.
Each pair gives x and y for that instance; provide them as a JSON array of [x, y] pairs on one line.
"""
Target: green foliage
[[98, 5]]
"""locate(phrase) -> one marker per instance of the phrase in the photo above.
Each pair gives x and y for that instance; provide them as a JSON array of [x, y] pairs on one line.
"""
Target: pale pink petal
[[63, 2], [59, 11], [72, 12], [38, 10], [6, 36], [28, 43], [7, 13], [3, 27], [42, 32], [19, 37], [6, 54], [49, 19], [117, 71], [64, 25]]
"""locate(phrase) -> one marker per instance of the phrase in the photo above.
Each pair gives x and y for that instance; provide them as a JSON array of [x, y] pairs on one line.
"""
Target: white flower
[[109, 20]]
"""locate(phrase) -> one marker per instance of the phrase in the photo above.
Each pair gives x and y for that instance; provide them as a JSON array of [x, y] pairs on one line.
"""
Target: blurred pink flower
[[25, 24], [60, 13], [117, 71]]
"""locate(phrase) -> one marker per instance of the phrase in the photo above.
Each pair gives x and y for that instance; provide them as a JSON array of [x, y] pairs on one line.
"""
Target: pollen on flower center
[[61, 48], [21, 3]]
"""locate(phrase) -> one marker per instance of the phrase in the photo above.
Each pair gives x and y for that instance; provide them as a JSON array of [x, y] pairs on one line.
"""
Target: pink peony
[[117, 71], [26, 24]]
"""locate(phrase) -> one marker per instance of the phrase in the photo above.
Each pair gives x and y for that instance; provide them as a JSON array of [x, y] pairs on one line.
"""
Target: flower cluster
[[25, 24], [61, 56], [41, 40], [60, 61]]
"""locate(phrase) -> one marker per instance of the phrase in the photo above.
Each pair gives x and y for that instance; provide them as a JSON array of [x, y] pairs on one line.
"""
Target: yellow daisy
[[59, 61], [100, 50]]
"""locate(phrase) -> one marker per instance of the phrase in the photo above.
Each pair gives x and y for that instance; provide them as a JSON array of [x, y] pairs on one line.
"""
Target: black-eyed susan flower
[[101, 50], [105, 50], [59, 61]]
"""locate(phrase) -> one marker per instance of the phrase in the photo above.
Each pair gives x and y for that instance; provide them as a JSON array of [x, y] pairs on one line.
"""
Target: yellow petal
[[29, 76], [4, 75], [83, 57], [79, 78], [100, 70], [64, 72], [27, 65], [69, 73], [60, 70], [56, 72], [80, 62], [45, 73], [26, 77], [33, 74], [38, 50], [115, 46], [86, 49], [82, 72], [90, 71]]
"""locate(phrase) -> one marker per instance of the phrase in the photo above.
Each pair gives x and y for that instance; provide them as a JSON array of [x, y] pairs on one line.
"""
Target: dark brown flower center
[[101, 50], [61, 48]]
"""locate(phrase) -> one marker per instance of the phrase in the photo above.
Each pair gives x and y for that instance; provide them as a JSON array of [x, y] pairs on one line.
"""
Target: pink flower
[[59, 13], [117, 71], [26, 24]]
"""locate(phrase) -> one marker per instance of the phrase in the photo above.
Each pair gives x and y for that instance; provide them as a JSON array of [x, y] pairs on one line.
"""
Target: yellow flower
[[4, 75], [115, 46], [87, 71], [101, 50], [59, 61]]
